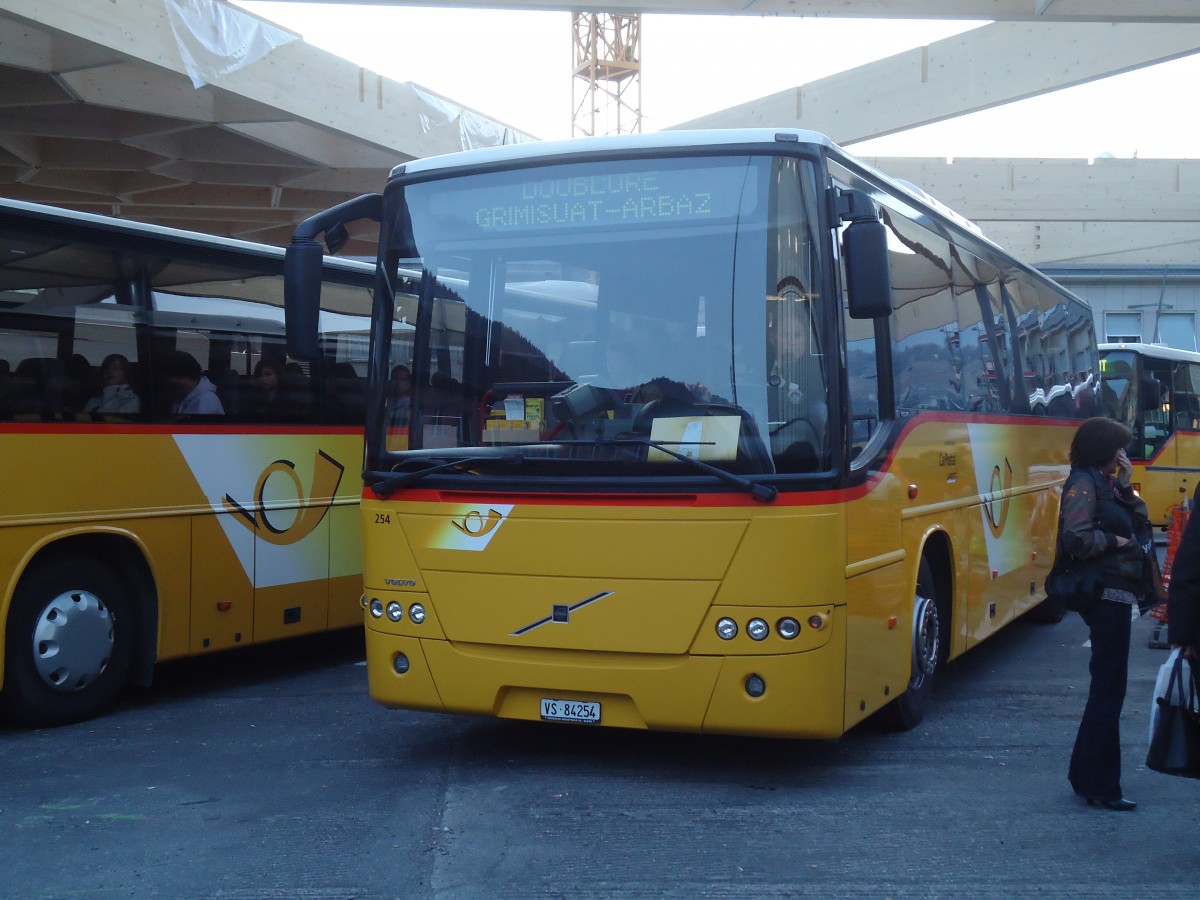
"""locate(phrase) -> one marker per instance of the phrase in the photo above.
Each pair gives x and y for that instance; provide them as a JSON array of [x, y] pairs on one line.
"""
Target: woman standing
[[1103, 522]]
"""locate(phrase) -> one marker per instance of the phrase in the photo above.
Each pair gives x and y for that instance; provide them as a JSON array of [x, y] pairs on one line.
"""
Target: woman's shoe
[[1120, 805]]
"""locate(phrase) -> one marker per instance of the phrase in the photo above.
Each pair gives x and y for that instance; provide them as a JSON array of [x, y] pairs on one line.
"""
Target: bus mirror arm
[[332, 222]]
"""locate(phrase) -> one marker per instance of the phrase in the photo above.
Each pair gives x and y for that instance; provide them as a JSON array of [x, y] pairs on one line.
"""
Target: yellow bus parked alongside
[[710, 432], [1155, 391], [174, 484]]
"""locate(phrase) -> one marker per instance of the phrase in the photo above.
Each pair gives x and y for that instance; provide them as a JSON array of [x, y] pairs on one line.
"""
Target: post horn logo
[[327, 475], [996, 511], [475, 524]]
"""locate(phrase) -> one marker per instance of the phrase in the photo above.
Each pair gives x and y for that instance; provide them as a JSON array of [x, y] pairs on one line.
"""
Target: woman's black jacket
[[1094, 513]]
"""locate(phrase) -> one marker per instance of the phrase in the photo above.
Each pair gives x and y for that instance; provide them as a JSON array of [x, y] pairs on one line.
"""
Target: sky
[[515, 67]]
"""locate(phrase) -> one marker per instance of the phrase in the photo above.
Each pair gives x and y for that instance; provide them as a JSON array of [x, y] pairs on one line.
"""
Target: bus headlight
[[376, 608], [727, 629], [758, 629], [416, 613], [400, 663], [788, 628], [395, 611]]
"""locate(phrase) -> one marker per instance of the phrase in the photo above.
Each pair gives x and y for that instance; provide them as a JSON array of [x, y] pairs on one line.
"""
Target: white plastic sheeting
[[215, 39], [439, 115]]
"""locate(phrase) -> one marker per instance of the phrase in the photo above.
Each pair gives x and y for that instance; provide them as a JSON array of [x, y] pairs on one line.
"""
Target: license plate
[[571, 710]]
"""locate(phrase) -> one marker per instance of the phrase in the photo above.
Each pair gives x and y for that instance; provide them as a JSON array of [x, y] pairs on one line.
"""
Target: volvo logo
[[560, 613]]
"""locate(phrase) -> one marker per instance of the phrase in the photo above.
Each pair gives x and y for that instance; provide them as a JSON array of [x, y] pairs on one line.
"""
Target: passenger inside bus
[[34, 390], [117, 396], [351, 391], [192, 393], [399, 396], [796, 391]]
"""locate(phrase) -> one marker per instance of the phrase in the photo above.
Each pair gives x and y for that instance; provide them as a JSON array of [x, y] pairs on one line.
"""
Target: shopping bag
[[1175, 730], [1160, 688]]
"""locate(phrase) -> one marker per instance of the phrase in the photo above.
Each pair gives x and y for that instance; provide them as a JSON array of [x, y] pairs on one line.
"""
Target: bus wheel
[[907, 710], [69, 643]]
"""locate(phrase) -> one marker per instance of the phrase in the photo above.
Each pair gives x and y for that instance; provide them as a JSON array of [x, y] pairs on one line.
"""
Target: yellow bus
[[709, 432], [174, 485], [1155, 391]]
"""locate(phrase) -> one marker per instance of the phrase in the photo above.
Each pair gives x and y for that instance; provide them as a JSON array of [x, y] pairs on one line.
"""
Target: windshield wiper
[[386, 484], [763, 493]]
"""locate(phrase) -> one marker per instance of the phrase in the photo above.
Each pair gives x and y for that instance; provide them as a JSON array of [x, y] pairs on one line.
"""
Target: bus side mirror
[[864, 253], [302, 273], [303, 269], [1151, 393], [868, 276]]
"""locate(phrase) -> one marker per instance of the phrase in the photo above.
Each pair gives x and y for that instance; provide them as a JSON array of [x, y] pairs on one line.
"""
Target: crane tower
[[607, 87]]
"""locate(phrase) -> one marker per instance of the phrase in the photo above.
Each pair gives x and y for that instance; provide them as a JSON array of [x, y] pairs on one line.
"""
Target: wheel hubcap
[[925, 639], [73, 641]]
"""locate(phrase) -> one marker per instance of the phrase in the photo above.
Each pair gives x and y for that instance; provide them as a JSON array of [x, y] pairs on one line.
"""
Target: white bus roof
[[659, 140], [1154, 351]]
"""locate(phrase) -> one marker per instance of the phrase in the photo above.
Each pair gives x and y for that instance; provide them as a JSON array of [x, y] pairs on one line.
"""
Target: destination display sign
[[597, 195]]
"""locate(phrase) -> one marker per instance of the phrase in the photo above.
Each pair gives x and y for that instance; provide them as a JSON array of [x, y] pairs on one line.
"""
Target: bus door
[[879, 605], [1166, 480], [1185, 417], [222, 589], [261, 546], [261, 555]]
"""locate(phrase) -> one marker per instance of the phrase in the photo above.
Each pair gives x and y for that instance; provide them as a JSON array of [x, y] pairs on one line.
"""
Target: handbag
[[1155, 592], [1072, 583], [1175, 723]]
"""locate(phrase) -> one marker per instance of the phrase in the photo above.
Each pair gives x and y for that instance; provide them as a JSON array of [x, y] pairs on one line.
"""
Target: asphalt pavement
[[270, 773]]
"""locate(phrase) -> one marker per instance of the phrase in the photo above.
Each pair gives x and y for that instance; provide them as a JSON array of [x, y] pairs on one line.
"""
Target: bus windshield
[[618, 314]]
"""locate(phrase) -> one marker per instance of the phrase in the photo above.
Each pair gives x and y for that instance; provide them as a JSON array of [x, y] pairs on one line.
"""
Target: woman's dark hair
[[118, 359], [1097, 441], [180, 364]]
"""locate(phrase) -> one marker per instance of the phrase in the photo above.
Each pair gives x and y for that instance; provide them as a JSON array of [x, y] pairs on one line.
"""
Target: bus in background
[[1155, 391], [175, 485], [711, 432]]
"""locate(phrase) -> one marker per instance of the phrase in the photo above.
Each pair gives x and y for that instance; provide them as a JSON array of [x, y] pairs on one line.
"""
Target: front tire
[[928, 641], [69, 642]]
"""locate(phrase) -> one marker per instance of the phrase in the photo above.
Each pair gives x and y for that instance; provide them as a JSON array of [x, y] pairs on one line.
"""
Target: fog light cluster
[[394, 610], [758, 629]]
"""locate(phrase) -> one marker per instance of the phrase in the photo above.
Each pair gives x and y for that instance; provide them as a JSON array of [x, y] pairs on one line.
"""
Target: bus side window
[[1185, 406]]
